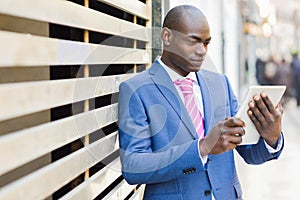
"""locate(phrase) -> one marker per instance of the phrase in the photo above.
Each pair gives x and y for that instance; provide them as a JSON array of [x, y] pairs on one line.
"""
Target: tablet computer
[[275, 94]]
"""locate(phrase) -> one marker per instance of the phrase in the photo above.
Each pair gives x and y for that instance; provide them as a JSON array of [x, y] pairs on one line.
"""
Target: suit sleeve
[[140, 164]]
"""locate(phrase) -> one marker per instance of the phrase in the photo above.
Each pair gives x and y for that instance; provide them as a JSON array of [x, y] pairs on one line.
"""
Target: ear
[[166, 35]]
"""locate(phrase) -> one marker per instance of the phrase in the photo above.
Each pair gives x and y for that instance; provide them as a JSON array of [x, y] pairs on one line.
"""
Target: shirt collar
[[174, 75]]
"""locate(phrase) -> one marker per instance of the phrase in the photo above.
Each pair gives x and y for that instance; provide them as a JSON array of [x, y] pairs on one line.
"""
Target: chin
[[195, 68], [195, 65]]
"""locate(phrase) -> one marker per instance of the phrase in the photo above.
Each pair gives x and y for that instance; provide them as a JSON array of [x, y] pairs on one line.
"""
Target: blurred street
[[279, 179]]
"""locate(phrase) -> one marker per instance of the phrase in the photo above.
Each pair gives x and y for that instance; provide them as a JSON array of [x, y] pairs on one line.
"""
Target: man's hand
[[226, 135], [266, 118]]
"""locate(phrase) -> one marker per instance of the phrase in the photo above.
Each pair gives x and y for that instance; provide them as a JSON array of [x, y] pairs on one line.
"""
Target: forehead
[[193, 24]]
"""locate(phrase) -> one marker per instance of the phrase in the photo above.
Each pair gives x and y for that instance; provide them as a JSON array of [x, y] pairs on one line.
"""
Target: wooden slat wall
[[71, 152], [60, 52], [48, 94], [73, 15]]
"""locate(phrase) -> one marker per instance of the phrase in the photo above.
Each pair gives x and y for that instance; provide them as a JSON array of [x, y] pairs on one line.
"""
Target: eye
[[206, 43], [192, 42]]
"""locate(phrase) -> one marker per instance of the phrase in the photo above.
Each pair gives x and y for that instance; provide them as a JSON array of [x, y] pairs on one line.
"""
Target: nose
[[201, 49]]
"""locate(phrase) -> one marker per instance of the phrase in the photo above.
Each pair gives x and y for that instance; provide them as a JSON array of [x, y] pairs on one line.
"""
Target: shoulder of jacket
[[211, 74]]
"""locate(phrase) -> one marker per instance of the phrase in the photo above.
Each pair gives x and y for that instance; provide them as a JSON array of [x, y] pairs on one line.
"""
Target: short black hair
[[173, 17]]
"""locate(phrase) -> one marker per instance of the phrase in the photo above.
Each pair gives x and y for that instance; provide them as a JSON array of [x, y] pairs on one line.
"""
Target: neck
[[169, 64]]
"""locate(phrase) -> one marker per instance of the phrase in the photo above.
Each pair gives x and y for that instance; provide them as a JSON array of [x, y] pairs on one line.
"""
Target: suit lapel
[[164, 83], [207, 99]]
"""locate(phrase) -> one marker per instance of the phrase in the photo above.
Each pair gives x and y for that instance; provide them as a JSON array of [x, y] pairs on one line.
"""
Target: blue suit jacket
[[159, 145]]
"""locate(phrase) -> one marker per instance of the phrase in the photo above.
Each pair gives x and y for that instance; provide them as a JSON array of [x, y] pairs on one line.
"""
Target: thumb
[[279, 107]]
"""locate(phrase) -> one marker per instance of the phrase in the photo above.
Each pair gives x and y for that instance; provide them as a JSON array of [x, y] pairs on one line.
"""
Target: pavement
[[277, 179]]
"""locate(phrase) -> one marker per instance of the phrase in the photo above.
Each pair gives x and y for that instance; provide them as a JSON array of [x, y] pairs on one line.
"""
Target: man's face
[[188, 46]]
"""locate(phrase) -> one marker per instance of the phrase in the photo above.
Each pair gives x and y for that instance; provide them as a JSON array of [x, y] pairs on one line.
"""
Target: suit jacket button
[[207, 192]]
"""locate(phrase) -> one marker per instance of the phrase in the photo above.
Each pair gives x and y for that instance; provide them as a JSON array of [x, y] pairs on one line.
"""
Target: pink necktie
[[186, 87]]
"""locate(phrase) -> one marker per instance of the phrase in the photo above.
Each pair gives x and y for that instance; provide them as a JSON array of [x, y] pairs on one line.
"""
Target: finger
[[233, 145], [255, 121], [229, 146], [229, 142], [256, 112], [235, 140], [234, 131], [268, 102], [238, 131], [260, 104], [233, 121]]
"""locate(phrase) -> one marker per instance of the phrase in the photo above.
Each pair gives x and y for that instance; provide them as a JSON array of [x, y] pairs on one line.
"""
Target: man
[[260, 67], [184, 153], [295, 66]]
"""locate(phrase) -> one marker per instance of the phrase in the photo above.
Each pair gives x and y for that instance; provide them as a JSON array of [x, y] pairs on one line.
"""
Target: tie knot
[[186, 85]]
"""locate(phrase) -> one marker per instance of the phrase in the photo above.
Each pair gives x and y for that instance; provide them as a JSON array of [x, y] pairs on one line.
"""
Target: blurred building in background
[[271, 29]]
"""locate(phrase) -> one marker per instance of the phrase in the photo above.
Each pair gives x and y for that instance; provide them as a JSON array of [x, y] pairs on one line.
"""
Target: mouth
[[198, 62]]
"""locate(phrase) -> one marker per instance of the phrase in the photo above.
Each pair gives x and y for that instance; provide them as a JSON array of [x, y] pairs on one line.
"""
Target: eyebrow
[[199, 39]]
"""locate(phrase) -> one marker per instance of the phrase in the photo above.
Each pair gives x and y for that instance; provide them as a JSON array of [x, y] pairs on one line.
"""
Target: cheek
[[206, 48], [183, 50]]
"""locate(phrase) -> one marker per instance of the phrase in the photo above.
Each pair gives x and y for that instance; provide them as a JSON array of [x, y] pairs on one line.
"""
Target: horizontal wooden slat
[[43, 182], [19, 49], [58, 133], [138, 194], [17, 99], [70, 14], [122, 190], [134, 7], [92, 187]]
